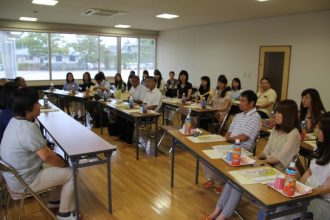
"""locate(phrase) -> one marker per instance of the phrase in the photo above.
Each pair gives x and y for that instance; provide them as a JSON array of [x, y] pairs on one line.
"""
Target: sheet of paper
[[132, 110], [213, 154], [223, 149], [256, 175], [44, 110], [207, 138], [311, 143]]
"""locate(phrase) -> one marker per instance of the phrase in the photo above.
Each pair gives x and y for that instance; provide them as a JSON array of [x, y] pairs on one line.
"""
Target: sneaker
[[67, 216], [219, 189], [208, 184]]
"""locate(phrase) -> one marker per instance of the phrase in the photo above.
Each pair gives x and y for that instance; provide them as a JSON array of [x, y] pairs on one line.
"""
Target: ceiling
[[140, 14]]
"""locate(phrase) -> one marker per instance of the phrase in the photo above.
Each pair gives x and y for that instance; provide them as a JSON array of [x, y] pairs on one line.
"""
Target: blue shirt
[[5, 116]]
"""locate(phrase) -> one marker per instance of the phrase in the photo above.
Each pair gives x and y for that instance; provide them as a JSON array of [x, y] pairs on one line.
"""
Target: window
[[26, 54], [129, 56], [73, 53], [29, 48], [147, 55], [108, 55]]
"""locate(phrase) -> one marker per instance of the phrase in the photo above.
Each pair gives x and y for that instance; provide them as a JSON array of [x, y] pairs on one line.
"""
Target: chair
[[5, 167], [183, 111], [256, 141]]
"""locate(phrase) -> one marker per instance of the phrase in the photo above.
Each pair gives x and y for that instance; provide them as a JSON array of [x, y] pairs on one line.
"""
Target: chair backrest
[[5, 167], [256, 141], [224, 119]]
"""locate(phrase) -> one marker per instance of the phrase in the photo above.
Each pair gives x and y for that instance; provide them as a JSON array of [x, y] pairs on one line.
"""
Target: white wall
[[232, 48]]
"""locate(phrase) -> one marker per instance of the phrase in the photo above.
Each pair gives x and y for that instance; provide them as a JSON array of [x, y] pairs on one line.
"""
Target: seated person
[[221, 101], [138, 92], [311, 108], [145, 74], [6, 112], [245, 127], [34, 162], [184, 86], [171, 85], [153, 97], [129, 85], [71, 85], [20, 81], [87, 82], [160, 81], [119, 83], [205, 90], [266, 98], [282, 147], [236, 89]]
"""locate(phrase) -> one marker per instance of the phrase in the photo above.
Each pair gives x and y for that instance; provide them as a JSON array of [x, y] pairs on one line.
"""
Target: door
[[274, 63]]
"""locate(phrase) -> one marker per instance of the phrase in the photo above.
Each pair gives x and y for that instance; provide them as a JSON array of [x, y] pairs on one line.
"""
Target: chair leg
[[21, 207], [7, 203], [239, 215]]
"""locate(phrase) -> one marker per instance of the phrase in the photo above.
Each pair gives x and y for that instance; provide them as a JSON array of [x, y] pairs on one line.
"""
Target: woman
[[160, 81], [6, 112], [205, 90], [282, 147], [266, 98], [71, 85], [318, 175], [145, 74], [119, 83], [171, 85], [184, 87], [221, 100], [129, 85], [236, 89], [37, 165], [87, 81], [311, 108]]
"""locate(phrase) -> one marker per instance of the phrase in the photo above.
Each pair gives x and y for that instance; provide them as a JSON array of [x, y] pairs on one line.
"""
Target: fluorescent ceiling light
[[45, 2], [122, 26], [167, 16], [262, 0], [28, 19]]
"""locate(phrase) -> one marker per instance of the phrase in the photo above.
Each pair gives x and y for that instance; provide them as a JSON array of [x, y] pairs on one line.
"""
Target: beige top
[[283, 146], [266, 97], [218, 102]]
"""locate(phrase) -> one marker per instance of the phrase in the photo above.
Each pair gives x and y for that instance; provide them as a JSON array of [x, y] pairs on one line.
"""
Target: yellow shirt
[[265, 98]]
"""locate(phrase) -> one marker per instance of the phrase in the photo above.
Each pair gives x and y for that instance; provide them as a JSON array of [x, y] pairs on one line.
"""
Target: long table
[[78, 96], [172, 104], [77, 142], [264, 197], [135, 116]]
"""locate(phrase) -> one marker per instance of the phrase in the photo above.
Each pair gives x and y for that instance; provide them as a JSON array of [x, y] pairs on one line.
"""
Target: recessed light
[[122, 26], [28, 19], [262, 0], [167, 16], [45, 2]]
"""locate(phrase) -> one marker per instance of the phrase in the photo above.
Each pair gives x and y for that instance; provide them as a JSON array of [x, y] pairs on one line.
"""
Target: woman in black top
[[204, 89], [184, 87], [129, 85], [119, 83], [87, 81], [145, 74]]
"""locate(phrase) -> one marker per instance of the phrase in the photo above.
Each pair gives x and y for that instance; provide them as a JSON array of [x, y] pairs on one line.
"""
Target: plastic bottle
[[272, 119], [52, 86], [183, 99], [204, 103], [236, 155], [289, 187], [130, 102], [46, 102], [187, 125], [303, 129]]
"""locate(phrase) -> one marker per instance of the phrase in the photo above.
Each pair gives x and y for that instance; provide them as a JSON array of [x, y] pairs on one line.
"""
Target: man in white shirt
[[153, 97], [138, 91]]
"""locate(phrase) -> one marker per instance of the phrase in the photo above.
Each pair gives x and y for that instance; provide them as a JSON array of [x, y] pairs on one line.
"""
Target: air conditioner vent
[[101, 12]]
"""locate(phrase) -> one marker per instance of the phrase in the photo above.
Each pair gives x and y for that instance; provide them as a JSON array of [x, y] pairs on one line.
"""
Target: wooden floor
[[141, 189]]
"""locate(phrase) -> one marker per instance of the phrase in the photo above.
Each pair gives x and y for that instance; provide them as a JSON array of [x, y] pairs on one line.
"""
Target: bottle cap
[[237, 141], [292, 164]]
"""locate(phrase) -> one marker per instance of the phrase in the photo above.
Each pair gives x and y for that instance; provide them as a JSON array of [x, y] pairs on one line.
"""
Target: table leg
[[163, 114], [197, 170], [109, 184], [172, 163], [156, 137], [262, 213], [75, 187], [137, 139], [85, 114]]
